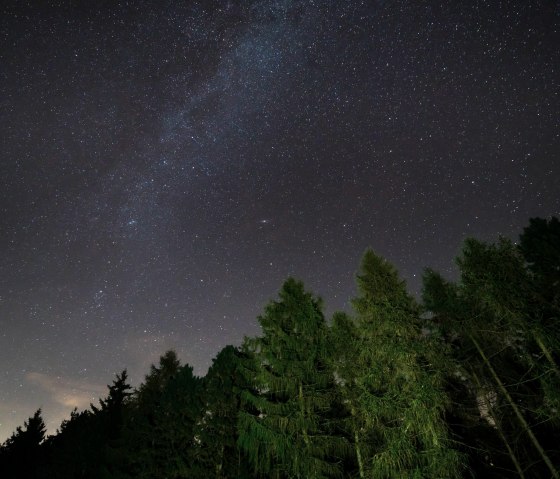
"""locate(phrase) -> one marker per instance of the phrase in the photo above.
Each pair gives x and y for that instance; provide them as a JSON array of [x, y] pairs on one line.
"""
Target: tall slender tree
[[159, 430], [400, 390], [344, 347], [285, 426], [215, 451]]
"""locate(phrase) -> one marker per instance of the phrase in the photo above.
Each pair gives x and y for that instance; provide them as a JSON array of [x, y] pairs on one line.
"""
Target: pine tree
[[158, 435], [400, 393], [285, 426], [86, 445], [112, 407], [21, 454], [344, 346], [215, 450], [112, 413], [77, 450]]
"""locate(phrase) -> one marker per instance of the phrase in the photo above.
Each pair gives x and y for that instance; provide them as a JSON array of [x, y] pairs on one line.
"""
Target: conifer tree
[[503, 351], [112, 413], [87, 444], [540, 245], [399, 385], [344, 346], [479, 426], [112, 407], [77, 450], [159, 430], [284, 426], [215, 450], [21, 455]]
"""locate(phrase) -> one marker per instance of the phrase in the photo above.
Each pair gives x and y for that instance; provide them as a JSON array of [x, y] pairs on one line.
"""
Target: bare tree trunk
[[502, 435], [516, 410], [357, 445]]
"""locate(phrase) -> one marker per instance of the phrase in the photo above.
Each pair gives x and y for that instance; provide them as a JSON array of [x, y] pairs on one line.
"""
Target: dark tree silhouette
[[21, 454], [540, 246], [158, 436], [395, 390], [505, 357], [216, 453]]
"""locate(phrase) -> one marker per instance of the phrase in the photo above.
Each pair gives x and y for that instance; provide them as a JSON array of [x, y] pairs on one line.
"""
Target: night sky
[[165, 165]]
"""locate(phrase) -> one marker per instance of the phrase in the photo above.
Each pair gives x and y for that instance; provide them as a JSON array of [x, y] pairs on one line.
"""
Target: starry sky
[[165, 165]]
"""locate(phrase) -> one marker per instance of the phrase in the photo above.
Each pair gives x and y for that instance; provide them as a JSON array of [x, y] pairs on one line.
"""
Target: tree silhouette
[[216, 453], [158, 436], [395, 390], [21, 454]]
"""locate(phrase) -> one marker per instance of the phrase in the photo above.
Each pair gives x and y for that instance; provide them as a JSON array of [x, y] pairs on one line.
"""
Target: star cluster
[[166, 165]]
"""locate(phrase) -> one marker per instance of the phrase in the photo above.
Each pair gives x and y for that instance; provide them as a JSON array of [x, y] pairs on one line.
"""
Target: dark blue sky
[[166, 165]]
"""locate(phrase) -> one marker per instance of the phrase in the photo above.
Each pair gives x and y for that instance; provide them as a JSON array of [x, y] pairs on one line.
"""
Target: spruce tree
[[159, 431], [87, 444], [399, 385], [284, 427], [215, 451], [21, 454], [344, 346], [77, 449]]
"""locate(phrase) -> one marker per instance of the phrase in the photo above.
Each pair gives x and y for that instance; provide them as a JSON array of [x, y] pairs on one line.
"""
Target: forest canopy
[[464, 383]]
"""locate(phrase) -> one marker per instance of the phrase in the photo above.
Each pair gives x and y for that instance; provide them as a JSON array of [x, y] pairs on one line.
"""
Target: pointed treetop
[[294, 310], [379, 284], [438, 295], [32, 435]]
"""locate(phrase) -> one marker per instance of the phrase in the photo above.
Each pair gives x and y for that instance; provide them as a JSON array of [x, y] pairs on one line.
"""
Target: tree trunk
[[516, 410], [502, 435]]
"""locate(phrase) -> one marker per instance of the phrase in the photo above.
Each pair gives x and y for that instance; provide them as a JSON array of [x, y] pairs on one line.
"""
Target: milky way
[[166, 165]]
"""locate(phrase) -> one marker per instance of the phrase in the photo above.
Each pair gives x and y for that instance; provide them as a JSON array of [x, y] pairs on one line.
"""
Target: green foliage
[[159, 432], [399, 386], [397, 391], [494, 281], [215, 449], [345, 345], [439, 296], [504, 354], [284, 427]]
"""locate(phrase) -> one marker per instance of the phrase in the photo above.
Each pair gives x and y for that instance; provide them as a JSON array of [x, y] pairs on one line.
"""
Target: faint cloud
[[67, 392]]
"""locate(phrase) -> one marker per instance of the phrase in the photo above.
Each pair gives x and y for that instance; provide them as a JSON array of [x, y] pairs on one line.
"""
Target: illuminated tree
[[399, 387], [285, 427]]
